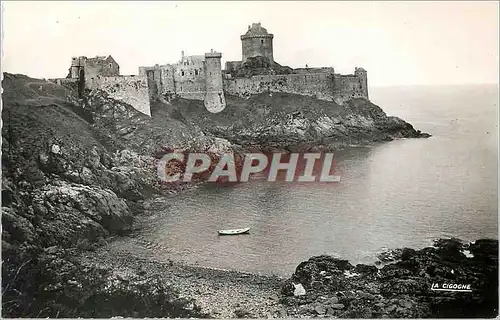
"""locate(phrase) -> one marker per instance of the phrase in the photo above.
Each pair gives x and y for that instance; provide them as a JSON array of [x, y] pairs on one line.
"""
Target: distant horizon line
[[435, 85]]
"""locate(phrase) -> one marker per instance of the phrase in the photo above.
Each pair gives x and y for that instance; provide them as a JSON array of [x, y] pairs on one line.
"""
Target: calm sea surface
[[401, 193]]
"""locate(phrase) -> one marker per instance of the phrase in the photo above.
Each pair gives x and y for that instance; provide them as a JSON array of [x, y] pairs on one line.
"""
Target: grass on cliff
[[23, 89], [37, 114]]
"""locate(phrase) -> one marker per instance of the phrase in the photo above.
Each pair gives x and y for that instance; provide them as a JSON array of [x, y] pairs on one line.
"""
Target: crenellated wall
[[129, 89], [188, 80], [311, 82], [319, 85]]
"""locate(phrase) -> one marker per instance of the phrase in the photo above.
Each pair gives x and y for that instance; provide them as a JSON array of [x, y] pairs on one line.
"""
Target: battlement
[[213, 54], [270, 36], [256, 31]]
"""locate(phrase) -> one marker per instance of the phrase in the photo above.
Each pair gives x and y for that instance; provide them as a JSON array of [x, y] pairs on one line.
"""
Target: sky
[[398, 43]]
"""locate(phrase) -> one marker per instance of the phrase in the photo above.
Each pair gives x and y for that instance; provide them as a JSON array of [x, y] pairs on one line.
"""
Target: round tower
[[363, 77], [214, 96], [257, 42]]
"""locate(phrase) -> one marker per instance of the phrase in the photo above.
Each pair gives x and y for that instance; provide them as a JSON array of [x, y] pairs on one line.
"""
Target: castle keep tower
[[214, 96], [257, 42]]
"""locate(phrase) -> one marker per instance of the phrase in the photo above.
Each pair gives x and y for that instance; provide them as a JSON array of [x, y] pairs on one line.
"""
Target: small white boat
[[233, 231]]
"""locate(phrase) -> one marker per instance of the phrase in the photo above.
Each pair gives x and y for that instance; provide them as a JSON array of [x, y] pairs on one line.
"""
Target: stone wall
[[319, 85], [347, 87], [314, 70], [129, 89], [232, 66], [153, 75], [185, 78], [195, 77], [67, 82], [311, 82]]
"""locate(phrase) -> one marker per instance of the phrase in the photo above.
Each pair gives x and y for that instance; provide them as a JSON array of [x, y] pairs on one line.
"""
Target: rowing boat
[[234, 231]]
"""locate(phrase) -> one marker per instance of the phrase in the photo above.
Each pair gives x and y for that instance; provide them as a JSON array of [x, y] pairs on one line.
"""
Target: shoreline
[[217, 292], [226, 293], [233, 293]]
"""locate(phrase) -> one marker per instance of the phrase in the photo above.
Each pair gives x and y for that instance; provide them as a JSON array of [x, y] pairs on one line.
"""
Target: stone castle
[[201, 77]]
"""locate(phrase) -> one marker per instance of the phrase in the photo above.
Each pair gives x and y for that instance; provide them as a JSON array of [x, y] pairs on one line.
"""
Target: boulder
[[299, 290]]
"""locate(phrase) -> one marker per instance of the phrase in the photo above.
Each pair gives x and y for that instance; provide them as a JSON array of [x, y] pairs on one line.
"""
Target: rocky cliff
[[400, 287], [294, 122], [76, 172]]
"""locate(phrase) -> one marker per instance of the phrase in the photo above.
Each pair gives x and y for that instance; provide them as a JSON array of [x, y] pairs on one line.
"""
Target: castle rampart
[[200, 77], [319, 85]]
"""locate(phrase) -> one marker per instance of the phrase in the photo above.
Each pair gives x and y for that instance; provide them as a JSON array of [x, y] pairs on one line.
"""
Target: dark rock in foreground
[[401, 289]]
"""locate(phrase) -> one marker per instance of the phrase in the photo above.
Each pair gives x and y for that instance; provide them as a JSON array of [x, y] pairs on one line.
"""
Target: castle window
[[262, 41], [196, 72], [182, 73], [110, 65]]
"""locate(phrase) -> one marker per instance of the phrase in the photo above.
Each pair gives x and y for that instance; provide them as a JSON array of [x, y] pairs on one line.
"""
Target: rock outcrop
[[293, 122], [400, 289]]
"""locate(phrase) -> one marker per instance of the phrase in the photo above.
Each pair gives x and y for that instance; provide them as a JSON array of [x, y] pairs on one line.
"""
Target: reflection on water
[[402, 193]]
